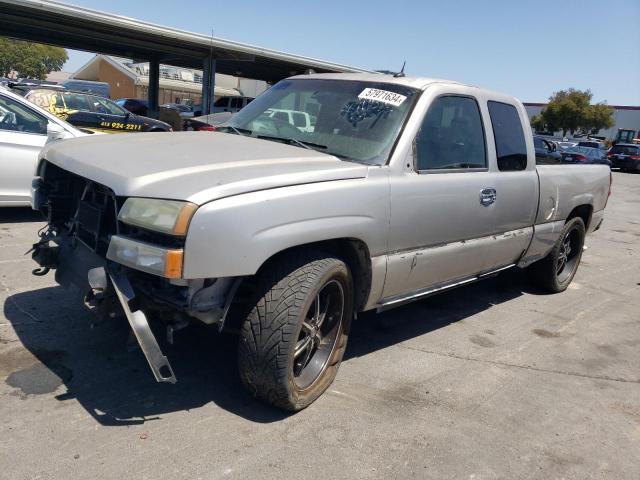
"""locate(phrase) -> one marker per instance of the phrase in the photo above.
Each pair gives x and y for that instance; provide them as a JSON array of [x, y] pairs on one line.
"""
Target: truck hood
[[195, 166]]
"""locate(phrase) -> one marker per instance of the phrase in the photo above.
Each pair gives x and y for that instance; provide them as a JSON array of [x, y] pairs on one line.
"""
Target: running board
[[386, 304]]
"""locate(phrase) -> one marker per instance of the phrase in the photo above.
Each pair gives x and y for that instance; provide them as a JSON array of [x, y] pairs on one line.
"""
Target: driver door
[[442, 213]]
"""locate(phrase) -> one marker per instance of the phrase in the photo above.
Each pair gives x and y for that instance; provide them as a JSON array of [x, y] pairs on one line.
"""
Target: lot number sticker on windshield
[[384, 96]]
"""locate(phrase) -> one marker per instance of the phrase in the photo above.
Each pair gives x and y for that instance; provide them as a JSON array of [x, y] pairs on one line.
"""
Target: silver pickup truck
[[401, 188]]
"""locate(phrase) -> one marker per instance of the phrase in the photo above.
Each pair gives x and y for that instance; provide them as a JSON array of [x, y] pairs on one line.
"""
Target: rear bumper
[[596, 221], [625, 164]]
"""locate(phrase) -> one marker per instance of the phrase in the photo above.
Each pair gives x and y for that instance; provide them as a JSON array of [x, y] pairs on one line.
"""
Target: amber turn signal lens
[[184, 217], [173, 264]]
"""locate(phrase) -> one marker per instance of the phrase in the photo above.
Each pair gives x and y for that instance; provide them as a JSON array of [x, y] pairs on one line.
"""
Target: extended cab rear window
[[511, 148]]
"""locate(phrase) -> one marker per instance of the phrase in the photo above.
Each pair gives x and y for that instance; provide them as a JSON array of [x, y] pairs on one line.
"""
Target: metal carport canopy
[[79, 28]]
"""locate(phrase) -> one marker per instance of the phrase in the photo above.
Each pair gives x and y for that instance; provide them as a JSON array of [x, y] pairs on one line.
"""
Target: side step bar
[[159, 364], [396, 301]]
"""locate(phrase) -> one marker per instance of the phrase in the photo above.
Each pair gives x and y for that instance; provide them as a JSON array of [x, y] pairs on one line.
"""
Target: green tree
[[537, 122], [571, 111], [30, 60], [600, 117]]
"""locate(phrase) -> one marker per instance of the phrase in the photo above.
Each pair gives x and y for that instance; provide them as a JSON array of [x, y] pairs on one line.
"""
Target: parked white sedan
[[24, 129]]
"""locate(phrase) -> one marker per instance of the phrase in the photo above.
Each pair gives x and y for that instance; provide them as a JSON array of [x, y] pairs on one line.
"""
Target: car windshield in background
[[586, 151], [70, 101], [104, 105], [353, 120], [591, 144]]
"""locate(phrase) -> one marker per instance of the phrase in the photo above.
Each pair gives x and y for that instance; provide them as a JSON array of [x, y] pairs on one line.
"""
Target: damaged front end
[[122, 269]]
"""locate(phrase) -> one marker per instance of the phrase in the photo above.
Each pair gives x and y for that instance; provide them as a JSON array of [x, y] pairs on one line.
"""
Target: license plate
[[620, 157]]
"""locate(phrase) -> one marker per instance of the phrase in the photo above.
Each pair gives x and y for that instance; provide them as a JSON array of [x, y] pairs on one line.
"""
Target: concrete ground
[[494, 380]]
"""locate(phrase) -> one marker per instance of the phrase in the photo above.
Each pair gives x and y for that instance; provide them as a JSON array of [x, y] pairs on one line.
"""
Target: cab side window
[[451, 136], [15, 117], [511, 148]]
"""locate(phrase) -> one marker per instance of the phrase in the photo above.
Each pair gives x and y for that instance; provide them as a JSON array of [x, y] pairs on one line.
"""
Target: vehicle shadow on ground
[[116, 387], [20, 215], [372, 332]]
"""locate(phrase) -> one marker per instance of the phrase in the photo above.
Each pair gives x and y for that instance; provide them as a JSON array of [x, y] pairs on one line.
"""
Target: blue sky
[[525, 48]]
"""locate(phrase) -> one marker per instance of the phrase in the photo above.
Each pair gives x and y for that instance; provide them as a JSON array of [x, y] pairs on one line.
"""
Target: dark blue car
[[585, 155]]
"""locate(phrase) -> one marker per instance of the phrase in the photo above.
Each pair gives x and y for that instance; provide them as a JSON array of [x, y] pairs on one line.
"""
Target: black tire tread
[[267, 332], [543, 272]]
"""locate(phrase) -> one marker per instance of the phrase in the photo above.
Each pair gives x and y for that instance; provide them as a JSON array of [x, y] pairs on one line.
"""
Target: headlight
[[148, 258], [166, 216]]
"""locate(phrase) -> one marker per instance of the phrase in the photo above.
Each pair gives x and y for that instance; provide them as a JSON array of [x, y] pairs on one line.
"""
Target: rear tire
[[555, 272], [294, 337]]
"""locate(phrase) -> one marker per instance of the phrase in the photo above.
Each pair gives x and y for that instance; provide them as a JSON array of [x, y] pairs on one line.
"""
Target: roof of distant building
[[176, 78]]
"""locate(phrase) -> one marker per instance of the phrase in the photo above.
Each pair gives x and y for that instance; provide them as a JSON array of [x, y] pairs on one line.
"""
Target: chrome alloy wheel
[[567, 258], [318, 336]]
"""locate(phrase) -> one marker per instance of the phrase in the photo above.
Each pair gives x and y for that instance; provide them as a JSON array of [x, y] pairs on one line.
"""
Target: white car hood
[[195, 166]]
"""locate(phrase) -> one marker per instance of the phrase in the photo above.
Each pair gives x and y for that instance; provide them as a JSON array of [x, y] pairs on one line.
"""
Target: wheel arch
[[353, 251], [585, 212]]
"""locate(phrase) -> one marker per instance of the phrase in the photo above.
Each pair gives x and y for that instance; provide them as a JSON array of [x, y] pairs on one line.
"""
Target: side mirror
[[55, 132]]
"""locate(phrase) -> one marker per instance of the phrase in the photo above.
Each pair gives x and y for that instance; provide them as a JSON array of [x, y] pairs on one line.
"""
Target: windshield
[[587, 151], [353, 120], [103, 105]]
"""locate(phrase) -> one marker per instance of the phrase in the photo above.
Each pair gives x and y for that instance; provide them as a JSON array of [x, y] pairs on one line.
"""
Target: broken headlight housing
[[146, 257], [165, 216]]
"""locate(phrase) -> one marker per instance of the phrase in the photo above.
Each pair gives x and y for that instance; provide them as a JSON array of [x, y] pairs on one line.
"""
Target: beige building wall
[[168, 95], [124, 86], [120, 84]]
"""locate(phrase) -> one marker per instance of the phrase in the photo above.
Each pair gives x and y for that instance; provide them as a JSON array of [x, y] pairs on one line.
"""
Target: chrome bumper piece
[[159, 364]]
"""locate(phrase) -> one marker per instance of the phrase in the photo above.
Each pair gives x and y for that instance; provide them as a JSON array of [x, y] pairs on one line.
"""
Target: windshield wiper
[[239, 131], [300, 143]]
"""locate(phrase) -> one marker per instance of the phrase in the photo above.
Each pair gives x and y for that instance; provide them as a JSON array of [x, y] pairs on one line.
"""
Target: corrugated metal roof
[[81, 28]]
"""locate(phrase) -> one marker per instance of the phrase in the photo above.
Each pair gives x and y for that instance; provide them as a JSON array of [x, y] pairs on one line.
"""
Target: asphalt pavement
[[493, 380]]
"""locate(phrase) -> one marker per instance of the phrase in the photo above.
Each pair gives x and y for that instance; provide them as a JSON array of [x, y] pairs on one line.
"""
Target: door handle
[[487, 196]]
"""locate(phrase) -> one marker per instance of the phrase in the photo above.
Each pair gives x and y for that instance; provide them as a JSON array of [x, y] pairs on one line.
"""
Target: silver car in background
[[24, 129]]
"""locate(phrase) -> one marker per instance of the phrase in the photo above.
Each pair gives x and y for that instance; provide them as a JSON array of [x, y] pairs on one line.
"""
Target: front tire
[[556, 271], [294, 337]]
